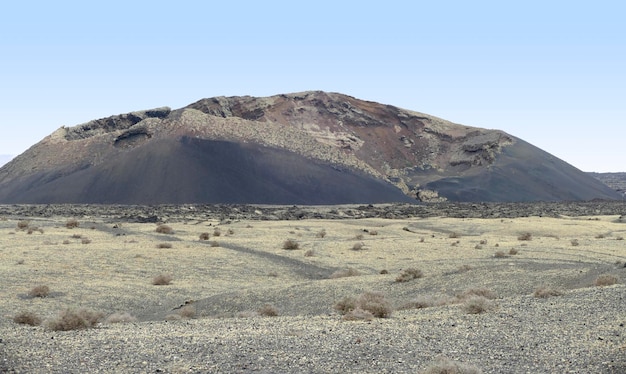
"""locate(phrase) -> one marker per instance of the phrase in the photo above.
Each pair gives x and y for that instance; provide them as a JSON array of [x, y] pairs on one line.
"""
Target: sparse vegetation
[[499, 254], [124, 317], [217, 231], [373, 302], [188, 311], [214, 243], [574, 242], [268, 310], [525, 236], [85, 241], [27, 318], [358, 246], [482, 292], [321, 234], [72, 224], [373, 232], [164, 245], [74, 319], [164, 229], [409, 274], [162, 280], [22, 225], [427, 301], [546, 292], [343, 273], [454, 235], [39, 291], [513, 251], [309, 253], [606, 280], [33, 229], [290, 244], [477, 305], [205, 236], [446, 366]]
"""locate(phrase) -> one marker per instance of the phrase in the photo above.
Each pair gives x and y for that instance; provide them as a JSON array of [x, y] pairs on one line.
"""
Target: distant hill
[[303, 148], [617, 181]]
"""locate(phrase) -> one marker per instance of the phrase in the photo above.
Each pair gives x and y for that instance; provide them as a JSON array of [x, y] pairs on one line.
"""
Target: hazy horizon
[[549, 73]]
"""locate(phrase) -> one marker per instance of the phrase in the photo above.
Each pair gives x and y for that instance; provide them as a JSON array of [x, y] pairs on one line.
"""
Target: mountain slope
[[303, 148]]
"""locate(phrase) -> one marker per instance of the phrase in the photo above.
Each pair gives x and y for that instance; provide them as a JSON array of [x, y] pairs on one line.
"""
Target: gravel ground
[[581, 333]]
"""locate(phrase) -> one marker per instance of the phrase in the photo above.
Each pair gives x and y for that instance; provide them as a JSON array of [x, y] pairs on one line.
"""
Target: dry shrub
[[217, 232], [215, 244], [358, 314], [188, 311], [373, 232], [72, 224], [575, 242], [482, 292], [600, 236], [375, 303], [321, 233], [66, 242], [164, 229], [384, 271], [39, 291], [27, 318], [483, 241], [513, 251], [162, 280], [464, 268], [454, 235], [372, 302], [124, 317], [545, 292], [20, 262], [33, 229], [345, 305], [477, 305], [619, 238], [23, 224], [309, 253], [268, 310], [499, 254], [359, 237], [606, 280], [343, 273], [76, 236], [358, 246], [205, 236], [409, 274], [426, 301], [525, 236], [70, 319], [478, 246], [291, 244], [85, 241], [446, 366], [164, 245]]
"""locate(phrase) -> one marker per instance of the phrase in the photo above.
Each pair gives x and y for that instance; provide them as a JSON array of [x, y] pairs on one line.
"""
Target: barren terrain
[[214, 315]]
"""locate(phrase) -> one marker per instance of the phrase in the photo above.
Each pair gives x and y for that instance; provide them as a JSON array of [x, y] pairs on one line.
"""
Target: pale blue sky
[[549, 72]]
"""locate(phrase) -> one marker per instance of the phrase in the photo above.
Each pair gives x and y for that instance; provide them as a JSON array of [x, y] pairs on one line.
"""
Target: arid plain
[[217, 313]]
